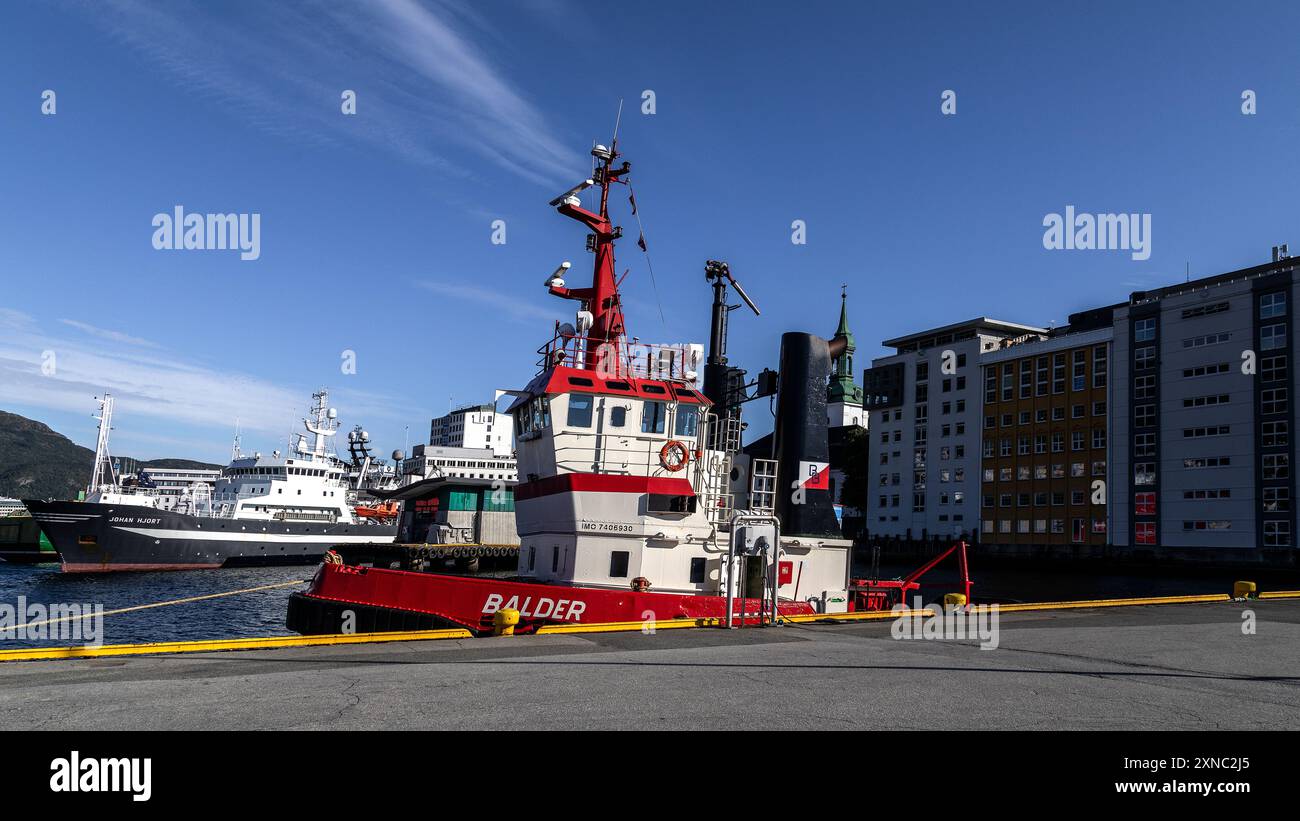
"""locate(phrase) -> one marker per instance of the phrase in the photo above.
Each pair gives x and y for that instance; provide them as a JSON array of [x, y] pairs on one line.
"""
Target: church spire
[[842, 387], [843, 329]]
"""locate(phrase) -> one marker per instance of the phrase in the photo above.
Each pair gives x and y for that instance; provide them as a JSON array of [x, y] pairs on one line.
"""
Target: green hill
[[39, 463]]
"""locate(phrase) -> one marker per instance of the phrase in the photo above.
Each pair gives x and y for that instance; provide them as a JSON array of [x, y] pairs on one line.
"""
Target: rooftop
[[996, 327], [1274, 267]]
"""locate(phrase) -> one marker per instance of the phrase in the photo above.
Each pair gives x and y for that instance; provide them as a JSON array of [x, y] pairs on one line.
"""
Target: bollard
[[504, 622], [954, 599], [1243, 590]]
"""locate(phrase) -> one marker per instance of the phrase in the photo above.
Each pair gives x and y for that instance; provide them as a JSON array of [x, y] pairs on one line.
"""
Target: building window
[[1273, 368], [1099, 366], [1058, 373], [1144, 444], [1276, 465], [1144, 357], [1144, 504], [1207, 525], [1277, 500], [1144, 330], [1144, 473], [1277, 533], [1080, 374], [1144, 387], [1274, 434], [1099, 438], [1076, 440], [1272, 337], [1273, 400], [1144, 416], [1205, 310], [1145, 532], [1215, 369], [1271, 305], [1209, 430]]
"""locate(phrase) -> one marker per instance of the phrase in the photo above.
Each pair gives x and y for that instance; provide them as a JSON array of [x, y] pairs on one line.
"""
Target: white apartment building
[[476, 426], [925, 406], [1202, 449]]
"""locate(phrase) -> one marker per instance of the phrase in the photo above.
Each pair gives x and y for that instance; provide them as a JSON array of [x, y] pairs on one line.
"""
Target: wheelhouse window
[[580, 410], [688, 417], [653, 415], [617, 416]]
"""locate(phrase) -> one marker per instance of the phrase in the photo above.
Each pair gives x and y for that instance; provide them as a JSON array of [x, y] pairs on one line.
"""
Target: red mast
[[605, 337]]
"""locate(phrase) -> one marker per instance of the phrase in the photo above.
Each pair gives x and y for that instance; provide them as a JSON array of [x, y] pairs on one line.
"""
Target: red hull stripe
[[112, 568], [603, 483], [471, 601]]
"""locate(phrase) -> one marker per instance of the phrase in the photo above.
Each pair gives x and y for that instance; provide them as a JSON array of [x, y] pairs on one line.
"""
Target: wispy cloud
[[110, 335], [499, 301], [428, 89], [44, 369]]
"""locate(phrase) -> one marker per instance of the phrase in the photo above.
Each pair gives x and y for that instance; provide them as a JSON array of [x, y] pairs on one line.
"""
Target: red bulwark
[[602, 483]]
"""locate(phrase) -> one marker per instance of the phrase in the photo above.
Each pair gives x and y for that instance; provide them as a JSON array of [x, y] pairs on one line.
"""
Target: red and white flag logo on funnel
[[815, 475]]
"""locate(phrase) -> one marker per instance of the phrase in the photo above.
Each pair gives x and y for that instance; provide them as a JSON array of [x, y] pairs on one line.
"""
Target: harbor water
[[262, 612]]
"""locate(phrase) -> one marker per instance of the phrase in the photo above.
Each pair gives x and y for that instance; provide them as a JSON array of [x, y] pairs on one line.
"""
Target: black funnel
[[802, 449]]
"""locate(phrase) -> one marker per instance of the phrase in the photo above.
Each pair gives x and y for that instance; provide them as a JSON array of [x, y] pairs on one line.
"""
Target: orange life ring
[[683, 455]]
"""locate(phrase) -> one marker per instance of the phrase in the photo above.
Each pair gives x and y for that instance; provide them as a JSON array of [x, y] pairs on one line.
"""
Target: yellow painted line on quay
[[277, 642], [215, 645]]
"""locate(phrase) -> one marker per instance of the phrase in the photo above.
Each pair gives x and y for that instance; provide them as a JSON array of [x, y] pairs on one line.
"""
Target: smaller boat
[[285, 508]]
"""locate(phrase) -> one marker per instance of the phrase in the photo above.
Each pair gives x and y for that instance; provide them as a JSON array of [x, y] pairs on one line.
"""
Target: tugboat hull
[[98, 538], [382, 600]]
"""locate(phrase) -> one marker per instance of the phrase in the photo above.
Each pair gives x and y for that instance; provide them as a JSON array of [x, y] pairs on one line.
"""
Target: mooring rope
[[133, 608]]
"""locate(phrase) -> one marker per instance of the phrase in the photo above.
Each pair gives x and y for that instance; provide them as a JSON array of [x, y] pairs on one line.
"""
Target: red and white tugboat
[[624, 502]]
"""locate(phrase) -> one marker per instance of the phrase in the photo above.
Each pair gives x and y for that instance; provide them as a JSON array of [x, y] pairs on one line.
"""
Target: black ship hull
[[98, 538]]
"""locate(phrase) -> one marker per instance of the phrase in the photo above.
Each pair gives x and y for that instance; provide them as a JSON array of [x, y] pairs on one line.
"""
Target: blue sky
[[376, 228]]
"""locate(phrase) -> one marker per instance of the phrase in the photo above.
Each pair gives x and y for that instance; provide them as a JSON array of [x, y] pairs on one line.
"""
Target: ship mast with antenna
[[103, 463], [602, 311]]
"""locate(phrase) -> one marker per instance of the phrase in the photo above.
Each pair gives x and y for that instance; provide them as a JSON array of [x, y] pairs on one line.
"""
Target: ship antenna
[[618, 119]]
